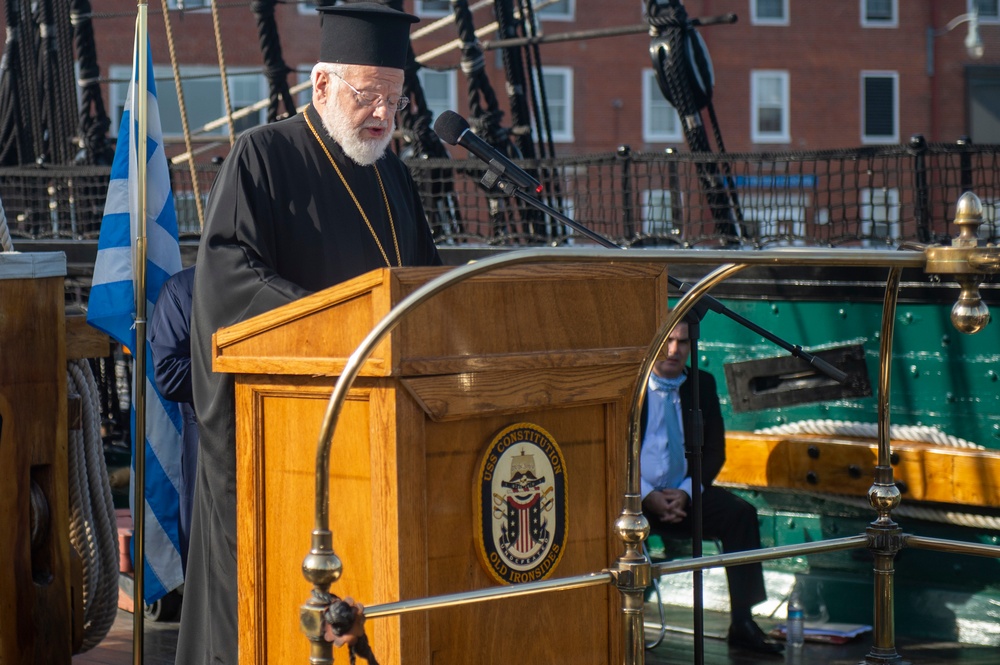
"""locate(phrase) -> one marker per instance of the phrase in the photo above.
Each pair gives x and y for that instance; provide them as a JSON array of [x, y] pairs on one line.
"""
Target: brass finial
[[968, 218]]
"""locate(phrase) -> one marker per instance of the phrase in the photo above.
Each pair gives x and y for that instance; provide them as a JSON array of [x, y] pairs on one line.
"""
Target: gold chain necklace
[[392, 226]]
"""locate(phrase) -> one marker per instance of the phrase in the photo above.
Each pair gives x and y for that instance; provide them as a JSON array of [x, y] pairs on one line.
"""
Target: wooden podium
[[557, 346]]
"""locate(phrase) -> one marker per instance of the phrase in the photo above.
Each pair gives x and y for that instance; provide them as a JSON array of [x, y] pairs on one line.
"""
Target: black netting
[[878, 197]]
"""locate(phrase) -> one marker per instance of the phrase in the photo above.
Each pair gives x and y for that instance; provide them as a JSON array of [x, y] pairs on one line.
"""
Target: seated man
[[666, 484]]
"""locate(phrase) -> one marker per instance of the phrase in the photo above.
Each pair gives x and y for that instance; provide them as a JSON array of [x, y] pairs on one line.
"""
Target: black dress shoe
[[748, 635]]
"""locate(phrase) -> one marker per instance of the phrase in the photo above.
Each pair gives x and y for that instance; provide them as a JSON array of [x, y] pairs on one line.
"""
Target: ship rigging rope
[[93, 120], [58, 83], [487, 29], [513, 64], [222, 72], [93, 529], [915, 433], [275, 68], [26, 81], [445, 21], [185, 127]]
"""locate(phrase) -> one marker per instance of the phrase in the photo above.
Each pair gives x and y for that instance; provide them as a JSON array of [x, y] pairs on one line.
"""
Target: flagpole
[[139, 373]]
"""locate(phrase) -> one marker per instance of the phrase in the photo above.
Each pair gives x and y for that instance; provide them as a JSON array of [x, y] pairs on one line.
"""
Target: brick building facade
[[789, 74]]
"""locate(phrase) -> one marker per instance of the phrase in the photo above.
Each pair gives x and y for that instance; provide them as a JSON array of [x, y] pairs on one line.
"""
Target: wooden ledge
[[841, 465]]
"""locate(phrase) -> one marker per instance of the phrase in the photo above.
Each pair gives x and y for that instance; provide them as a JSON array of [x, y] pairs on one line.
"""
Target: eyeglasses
[[367, 99]]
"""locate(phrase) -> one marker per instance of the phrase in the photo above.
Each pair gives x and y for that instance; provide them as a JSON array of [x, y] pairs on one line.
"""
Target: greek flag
[[112, 309]]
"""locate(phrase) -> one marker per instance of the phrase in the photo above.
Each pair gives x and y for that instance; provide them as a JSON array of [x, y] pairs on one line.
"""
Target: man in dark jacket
[[667, 485], [170, 345]]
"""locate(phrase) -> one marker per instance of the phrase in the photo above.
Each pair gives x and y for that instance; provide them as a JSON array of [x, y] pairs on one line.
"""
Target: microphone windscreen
[[449, 126]]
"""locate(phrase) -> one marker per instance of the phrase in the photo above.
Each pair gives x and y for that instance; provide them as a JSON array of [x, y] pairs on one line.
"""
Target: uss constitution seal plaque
[[521, 505]]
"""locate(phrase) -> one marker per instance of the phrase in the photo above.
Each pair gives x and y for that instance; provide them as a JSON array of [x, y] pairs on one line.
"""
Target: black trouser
[[731, 520]]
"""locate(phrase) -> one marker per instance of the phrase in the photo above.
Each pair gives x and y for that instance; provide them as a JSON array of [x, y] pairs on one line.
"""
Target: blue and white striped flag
[[112, 309]]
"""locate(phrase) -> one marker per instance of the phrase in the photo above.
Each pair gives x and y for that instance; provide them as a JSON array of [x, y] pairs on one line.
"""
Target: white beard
[[363, 151]]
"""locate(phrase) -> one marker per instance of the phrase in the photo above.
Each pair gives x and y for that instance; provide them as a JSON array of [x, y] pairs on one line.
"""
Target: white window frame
[[892, 22], [654, 202], [990, 228], [568, 208], [565, 136], [775, 213], [303, 74], [989, 18], [757, 136], [452, 84], [420, 10], [880, 140], [651, 94], [879, 205], [118, 92], [550, 14], [187, 211], [756, 19], [244, 73], [189, 5]]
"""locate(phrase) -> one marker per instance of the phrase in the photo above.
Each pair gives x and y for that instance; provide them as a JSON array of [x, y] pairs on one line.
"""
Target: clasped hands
[[667, 505]]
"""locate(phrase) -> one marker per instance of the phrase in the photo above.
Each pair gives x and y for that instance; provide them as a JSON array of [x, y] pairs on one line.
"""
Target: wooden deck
[[677, 647]]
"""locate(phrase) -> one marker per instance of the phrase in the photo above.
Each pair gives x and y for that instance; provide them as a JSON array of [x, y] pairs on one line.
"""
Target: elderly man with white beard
[[298, 206]]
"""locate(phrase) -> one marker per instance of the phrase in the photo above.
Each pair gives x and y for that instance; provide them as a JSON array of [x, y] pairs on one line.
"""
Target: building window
[[202, 96], [432, 7], [880, 119], [990, 228], [440, 91], [769, 108], [658, 214], [558, 83], [769, 12], [879, 14], [778, 215], [245, 90], [879, 216], [187, 210], [302, 78], [660, 123], [188, 4], [561, 10], [989, 10], [982, 90]]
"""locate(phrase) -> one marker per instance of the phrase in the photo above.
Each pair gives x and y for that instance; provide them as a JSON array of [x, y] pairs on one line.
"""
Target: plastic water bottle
[[795, 630]]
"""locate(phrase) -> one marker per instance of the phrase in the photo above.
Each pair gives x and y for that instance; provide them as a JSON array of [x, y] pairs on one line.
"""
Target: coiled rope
[[93, 528], [916, 433], [6, 244]]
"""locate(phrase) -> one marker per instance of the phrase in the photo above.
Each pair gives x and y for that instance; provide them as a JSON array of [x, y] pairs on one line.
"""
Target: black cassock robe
[[280, 224]]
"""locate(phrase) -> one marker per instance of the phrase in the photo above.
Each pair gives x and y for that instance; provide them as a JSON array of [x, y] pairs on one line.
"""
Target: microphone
[[453, 129]]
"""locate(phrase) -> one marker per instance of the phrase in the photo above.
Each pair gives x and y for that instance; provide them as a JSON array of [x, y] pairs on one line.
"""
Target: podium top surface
[[514, 317], [32, 265]]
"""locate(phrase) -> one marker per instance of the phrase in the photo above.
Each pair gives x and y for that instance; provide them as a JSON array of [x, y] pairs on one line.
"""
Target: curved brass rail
[[632, 571]]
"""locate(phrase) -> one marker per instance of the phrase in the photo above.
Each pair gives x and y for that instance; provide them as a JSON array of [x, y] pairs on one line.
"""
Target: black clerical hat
[[365, 33]]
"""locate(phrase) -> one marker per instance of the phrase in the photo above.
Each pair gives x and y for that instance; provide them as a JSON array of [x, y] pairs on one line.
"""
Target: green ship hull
[[940, 378]]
